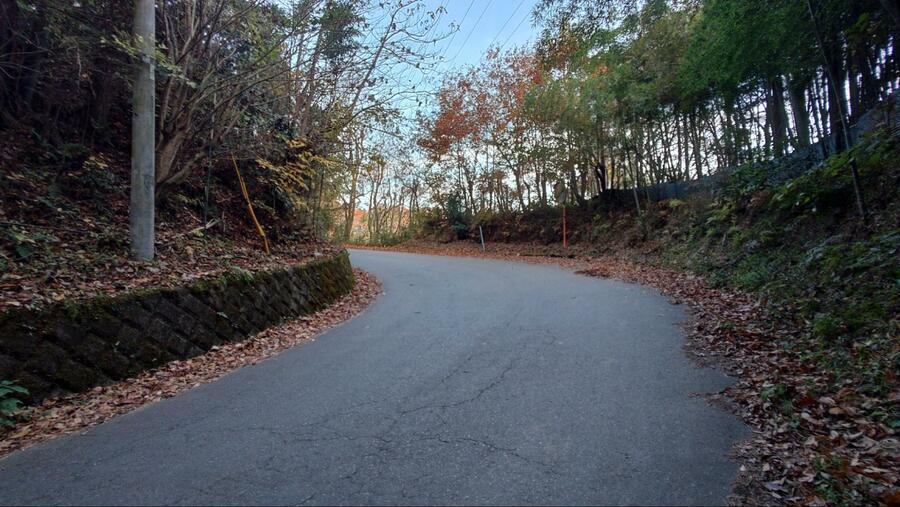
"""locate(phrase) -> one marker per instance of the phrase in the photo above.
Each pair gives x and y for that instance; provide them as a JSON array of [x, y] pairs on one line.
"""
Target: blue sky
[[501, 21], [482, 24]]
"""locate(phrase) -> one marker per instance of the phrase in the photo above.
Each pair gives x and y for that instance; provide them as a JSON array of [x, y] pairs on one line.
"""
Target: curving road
[[467, 382]]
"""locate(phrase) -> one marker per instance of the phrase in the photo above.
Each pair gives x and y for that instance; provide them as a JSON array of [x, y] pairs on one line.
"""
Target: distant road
[[468, 382]]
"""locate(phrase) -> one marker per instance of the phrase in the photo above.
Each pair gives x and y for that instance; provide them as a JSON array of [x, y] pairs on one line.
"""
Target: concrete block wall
[[74, 347]]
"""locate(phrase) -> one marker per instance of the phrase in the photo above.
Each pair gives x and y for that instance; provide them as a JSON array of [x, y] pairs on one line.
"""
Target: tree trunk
[[797, 98], [837, 99], [351, 202], [778, 119], [729, 134], [695, 127], [838, 107]]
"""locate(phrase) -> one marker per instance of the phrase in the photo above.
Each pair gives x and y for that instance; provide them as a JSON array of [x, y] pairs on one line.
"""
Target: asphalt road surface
[[467, 382]]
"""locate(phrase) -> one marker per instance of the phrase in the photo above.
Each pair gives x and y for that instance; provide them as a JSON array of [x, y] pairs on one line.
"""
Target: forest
[[285, 92], [318, 102], [632, 95]]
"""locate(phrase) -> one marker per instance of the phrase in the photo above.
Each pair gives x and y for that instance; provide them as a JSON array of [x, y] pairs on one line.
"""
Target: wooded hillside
[[260, 109], [628, 95]]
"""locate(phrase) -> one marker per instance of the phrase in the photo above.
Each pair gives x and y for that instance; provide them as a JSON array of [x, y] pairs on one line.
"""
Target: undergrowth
[[10, 402], [803, 247]]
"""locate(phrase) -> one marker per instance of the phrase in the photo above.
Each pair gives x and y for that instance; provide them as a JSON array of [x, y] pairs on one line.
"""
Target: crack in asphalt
[[494, 382], [500, 388]]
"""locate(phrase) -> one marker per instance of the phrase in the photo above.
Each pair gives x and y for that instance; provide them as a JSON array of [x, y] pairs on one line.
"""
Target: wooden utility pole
[[143, 130]]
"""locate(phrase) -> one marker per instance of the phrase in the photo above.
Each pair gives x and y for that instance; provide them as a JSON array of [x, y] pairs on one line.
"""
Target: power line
[[472, 30], [441, 11], [452, 37], [507, 22], [516, 29]]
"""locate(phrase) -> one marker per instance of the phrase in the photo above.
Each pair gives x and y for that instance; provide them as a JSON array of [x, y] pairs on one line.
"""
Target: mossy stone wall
[[73, 347]]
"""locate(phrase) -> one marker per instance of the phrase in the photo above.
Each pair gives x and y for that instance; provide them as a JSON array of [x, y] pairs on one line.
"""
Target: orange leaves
[[474, 105], [58, 416], [812, 436], [457, 118]]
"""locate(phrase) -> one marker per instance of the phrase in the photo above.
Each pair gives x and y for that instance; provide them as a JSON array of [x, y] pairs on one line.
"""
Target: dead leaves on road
[[76, 273], [812, 446], [58, 416], [817, 440]]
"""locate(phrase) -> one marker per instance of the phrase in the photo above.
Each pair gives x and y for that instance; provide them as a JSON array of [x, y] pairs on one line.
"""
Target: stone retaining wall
[[73, 347]]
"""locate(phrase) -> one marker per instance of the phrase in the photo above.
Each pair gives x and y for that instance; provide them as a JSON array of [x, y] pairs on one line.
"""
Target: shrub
[[456, 217], [9, 401]]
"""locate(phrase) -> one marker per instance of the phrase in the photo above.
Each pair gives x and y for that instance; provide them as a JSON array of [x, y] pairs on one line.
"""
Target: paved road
[[468, 381]]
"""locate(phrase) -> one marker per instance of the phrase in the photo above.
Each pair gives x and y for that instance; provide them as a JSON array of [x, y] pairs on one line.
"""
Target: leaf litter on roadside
[[818, 440], [58, 416]]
